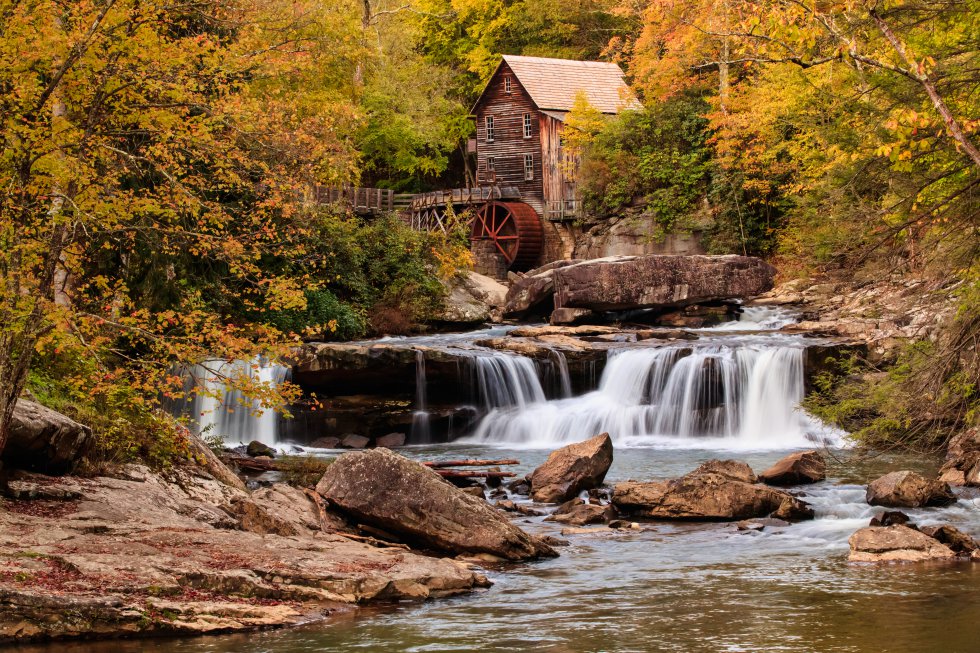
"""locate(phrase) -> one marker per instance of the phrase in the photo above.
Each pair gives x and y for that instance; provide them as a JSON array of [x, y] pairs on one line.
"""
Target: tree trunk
[[952, 125]]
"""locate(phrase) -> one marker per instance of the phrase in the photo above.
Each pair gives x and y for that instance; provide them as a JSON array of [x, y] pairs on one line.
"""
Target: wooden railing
[[561, 210], [463, 196], [363, 201]]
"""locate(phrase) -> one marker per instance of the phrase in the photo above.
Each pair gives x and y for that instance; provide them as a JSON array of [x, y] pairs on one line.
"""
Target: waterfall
[[216, 408], [504, 380], [730, 396], [421, 432]]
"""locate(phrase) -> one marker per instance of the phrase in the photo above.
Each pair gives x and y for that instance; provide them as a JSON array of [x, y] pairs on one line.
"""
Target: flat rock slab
[[139, 555], [895, 544]]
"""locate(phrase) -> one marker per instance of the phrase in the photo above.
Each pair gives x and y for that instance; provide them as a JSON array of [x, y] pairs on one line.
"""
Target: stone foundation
[[487, 259]]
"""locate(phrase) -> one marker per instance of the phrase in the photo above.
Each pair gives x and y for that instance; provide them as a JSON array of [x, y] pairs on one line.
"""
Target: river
[[670, 586]]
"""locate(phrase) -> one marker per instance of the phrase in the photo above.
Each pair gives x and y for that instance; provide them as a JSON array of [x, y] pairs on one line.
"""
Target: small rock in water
[[891, 518], [354, 441], [571, 469], [748, 525], [520, 486], [391, 440], [329, 442], [256, 449], [551, 540], [498, 493], [796, 469], [895, 544], [623, 524], [907, 489]]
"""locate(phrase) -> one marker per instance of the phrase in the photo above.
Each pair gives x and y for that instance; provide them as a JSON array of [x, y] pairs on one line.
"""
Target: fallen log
[[470, 463], [252, 464], [459, 473]]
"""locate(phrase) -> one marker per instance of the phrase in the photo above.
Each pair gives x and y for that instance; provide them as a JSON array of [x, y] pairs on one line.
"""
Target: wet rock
[[716, 491], [571, 469], [326, 443], [595, 530], [895, 544], [962, 466], [891, 518], [578, 513], [354, 441], [519, 486], [571, 331], [748, 525], [383, 489], [256, 449], [571, 315], [43, 440], [390, 441], [907, 489], [796, 469], [624, 524], [475, 491], [633, 282], [551, 540], [955, 539], [523, 509]]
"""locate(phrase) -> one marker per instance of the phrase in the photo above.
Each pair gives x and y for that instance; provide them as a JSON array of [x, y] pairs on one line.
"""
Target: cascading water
[[504, 380], [729, 395], [421, 429], [215, 407]]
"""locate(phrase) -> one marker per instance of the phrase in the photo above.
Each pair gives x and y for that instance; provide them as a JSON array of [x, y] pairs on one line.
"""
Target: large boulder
[[716, 491], [796, 469], [382, 489], [896, 544], [471, 299], [44, 440], [533, 290], [571, 469], [659, 281], [962, 466], [907, 489]]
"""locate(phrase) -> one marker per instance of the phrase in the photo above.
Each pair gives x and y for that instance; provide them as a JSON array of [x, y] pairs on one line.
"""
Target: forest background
[[157, 159]]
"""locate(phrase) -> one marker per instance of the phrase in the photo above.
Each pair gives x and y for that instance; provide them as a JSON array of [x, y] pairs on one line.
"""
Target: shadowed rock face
[[624, 283], [906, 489], [44, 440], [571, 469], [796, 469], [716, 491], [388, 491]]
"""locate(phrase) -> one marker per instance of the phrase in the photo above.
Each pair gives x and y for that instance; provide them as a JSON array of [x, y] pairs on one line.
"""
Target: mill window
[[507, 86], [528, 167], [489, 122], [527, 125]]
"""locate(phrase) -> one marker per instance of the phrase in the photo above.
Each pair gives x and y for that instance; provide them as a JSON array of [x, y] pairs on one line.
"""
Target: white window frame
[[491, 164], [528, 167], [528, 129], [488, 122], [508, 85]]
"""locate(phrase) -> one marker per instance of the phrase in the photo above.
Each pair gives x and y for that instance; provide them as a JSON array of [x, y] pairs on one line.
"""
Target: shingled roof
[[553, 84]]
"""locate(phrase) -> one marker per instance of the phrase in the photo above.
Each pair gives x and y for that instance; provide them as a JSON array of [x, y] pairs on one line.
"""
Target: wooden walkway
[[422, 211]]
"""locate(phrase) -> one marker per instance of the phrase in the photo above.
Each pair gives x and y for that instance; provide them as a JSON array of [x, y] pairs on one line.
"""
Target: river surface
[[672, 587]]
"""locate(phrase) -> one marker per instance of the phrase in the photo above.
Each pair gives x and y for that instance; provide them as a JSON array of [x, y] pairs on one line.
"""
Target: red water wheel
[[515, 229]]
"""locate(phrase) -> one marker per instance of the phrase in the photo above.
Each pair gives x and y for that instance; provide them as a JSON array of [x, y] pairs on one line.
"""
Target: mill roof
[[553, 84]]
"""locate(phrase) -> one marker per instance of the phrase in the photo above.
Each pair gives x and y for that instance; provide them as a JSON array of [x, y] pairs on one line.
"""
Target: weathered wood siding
[[559, 169], [509, 145]]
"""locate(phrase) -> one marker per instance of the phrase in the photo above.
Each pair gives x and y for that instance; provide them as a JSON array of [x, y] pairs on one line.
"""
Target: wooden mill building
[[519, 121], [525, 181]]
